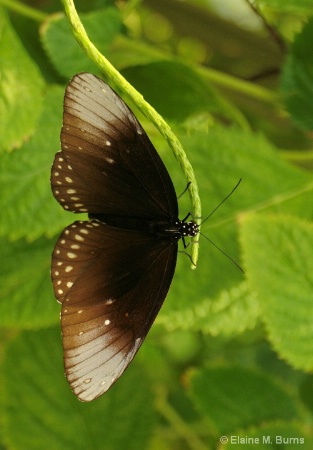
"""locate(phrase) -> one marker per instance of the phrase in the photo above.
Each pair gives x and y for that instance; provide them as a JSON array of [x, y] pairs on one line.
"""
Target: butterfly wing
[[108, 164], [111, 283]]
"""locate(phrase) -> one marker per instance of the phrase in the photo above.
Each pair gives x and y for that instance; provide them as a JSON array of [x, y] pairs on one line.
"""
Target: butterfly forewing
[[105, 278], [107, 163]]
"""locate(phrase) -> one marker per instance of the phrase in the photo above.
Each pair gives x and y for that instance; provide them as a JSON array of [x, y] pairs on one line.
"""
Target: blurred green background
[[229, 354]]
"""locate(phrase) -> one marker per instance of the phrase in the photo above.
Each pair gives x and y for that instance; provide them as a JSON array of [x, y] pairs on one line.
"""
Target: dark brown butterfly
[[111, 273]]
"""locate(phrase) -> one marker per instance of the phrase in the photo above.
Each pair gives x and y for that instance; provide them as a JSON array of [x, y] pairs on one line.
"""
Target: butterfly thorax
[[171, 228], [187, 228]]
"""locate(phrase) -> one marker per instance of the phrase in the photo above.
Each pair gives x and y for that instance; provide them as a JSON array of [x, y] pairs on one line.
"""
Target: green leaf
[[186, 92], [28, 207], [126, 52], [268, 183], [21, 87], [297, 79], [288, 5], [233, 398], [306, 391], [231, 313], [279, 265], [102, 26], [40, 411], [26, 295]]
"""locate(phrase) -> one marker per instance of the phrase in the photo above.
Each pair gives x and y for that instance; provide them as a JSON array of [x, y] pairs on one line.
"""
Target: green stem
[[24, 10], [130, 6], [181, 427], [298, 156], [115, 78], [235, 84]]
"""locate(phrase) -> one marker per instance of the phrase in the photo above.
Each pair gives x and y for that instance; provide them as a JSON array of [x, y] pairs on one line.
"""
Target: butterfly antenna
[[220, 204], [186, 188], [222, 251]]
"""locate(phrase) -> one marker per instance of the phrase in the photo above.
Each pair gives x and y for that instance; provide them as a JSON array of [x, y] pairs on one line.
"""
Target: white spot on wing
[[110, 301]]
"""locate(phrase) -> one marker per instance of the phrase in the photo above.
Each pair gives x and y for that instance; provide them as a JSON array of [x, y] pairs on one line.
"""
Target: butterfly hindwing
[[105, 279]]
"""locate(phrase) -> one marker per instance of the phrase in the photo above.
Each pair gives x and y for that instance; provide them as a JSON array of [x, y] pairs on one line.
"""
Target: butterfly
[[111, 273]]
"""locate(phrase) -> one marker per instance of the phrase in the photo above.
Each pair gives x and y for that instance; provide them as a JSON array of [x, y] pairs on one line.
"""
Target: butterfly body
[[111, 273]]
